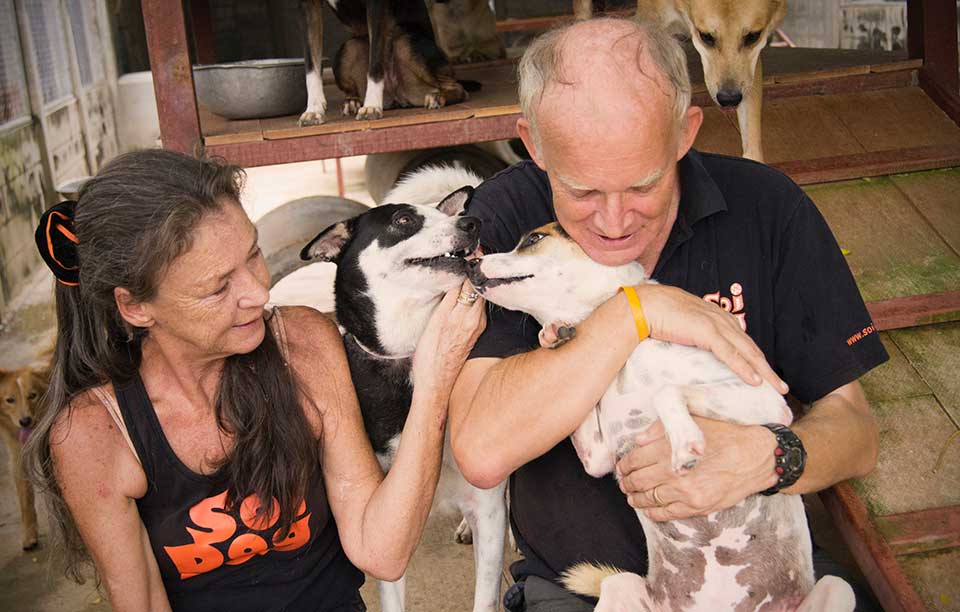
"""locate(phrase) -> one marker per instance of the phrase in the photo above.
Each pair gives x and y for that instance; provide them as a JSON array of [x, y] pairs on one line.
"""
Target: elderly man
[[607, 121]]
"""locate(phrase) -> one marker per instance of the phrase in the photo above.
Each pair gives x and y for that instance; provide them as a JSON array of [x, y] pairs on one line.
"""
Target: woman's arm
[[100, 480], [381, 519]]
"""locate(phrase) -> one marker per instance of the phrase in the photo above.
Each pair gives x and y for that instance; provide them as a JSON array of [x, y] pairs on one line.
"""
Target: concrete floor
[[440, 577]]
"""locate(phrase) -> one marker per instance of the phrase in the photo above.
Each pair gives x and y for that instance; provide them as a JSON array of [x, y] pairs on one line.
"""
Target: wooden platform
[[902, 233], [821, 116], [908, 532]]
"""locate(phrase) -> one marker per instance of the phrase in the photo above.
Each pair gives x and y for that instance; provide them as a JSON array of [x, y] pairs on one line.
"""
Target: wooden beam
[[915, 310], [400, 138], [172, 75], [947, 100], [915, 29], [921, 531], [868, 81], [204, 40], [871, 552], [932, 32], [877, 163]]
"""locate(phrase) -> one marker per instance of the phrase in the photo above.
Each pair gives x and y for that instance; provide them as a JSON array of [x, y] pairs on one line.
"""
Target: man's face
[[614, 183]]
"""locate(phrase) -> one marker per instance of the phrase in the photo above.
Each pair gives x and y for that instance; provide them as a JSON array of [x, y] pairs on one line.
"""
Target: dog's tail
[[586, 578]]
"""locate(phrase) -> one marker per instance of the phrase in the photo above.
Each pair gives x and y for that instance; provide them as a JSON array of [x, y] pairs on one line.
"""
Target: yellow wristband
[[638, 319]]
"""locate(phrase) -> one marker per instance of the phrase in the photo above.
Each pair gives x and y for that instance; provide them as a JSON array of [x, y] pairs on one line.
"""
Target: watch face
[[793, 459]]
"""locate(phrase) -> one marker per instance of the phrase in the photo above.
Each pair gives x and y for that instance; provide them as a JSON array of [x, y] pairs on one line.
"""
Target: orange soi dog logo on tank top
[[217, 526]]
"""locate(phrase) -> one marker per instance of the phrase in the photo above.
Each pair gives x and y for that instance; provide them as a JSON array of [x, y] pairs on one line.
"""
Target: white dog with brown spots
[[755, 555]]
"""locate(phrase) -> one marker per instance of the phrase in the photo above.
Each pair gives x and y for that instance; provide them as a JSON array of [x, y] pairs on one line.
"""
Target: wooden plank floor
[[916, 400], [935, 194], [894, 250]]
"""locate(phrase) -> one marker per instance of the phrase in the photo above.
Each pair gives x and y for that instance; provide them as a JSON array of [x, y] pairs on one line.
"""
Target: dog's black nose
[[26, 421], [469, 225], [729, 97]]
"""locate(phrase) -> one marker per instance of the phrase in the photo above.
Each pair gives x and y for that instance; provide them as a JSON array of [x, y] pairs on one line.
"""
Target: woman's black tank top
[[213, 559]]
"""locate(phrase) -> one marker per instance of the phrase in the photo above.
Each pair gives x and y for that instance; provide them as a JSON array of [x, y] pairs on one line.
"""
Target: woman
[[178, 405]]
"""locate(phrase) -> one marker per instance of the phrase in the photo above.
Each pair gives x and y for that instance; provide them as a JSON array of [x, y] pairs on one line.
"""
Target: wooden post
[[204, 40], [172, 75], [932, 35]]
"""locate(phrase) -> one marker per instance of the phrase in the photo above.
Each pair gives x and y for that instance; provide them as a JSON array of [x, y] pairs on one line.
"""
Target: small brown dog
[[20, 393], [466, 30]]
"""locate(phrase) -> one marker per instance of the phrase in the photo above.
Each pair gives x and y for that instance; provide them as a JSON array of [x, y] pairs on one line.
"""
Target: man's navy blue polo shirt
[[746, 238]]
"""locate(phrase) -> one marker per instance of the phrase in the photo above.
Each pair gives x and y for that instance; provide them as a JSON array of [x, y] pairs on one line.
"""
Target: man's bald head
[[614, 64]]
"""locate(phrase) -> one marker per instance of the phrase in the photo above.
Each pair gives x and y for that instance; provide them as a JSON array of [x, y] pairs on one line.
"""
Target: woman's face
[[211, 299]]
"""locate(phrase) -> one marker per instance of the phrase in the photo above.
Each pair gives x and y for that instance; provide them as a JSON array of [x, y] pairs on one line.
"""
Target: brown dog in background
[[20, 393], [466, 30], [728, 35], [391, 61]]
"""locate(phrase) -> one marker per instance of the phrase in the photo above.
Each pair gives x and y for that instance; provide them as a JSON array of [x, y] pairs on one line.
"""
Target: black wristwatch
[[790, 457]]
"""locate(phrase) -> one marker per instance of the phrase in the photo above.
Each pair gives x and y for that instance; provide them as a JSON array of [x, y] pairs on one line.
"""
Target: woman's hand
[[446, 342], [675, 315]]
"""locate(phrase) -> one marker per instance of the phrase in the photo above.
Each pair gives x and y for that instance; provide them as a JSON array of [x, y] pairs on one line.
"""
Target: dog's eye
[[402, 218], [532, 239], [751, 38], [11, 400], [32, 395], [707, 39]]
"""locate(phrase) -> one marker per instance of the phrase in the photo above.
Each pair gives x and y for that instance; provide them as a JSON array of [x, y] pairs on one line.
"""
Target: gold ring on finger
[[655, 493], [467, 298]]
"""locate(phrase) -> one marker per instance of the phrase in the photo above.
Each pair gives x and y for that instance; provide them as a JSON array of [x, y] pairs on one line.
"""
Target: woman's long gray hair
[[132, 220]]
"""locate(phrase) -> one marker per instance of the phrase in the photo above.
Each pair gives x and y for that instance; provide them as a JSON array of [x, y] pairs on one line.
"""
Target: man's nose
[[611, 215]]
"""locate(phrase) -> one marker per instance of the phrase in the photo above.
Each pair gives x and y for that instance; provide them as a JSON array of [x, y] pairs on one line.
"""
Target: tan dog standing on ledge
[[728, 35]]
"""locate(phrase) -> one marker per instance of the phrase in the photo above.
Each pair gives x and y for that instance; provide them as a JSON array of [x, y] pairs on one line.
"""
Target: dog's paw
[[434, 100], [685, 455], [463, 534], [29, 542], [556, 334], [309, 118], [350, 107], [367, 113]]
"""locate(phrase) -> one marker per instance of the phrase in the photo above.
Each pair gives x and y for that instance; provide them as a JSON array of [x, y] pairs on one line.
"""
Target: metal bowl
[[252, 89]]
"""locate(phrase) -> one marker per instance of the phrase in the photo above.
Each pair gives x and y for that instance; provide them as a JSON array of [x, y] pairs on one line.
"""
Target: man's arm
[[505, 412], [839, 434]]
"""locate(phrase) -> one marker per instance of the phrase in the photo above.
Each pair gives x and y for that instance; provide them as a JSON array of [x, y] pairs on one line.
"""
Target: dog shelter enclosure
[[873, 137]]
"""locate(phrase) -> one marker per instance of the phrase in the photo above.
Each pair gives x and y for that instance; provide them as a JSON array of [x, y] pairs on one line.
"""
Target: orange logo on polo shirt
[[217, 526], [733, 304], [860, 335]]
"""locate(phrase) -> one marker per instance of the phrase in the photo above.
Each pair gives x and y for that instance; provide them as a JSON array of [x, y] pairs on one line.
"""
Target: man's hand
[[675, 315], [738, 462]]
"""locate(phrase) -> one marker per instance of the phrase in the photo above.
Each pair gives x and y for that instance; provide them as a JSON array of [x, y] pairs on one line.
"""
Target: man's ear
[[689, 130], [530, 141], [456, 202], [328, 245], [133, 312]]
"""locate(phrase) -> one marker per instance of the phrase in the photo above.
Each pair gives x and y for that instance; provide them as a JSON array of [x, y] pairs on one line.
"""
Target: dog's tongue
[[24, 433]]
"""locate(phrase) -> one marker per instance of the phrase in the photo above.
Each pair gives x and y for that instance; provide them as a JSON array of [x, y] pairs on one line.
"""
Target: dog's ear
[[456, 202], [41, 373], [328, 245]]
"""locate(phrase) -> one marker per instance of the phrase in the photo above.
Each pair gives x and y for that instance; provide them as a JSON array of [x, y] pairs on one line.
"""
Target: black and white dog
[[394, 264]]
